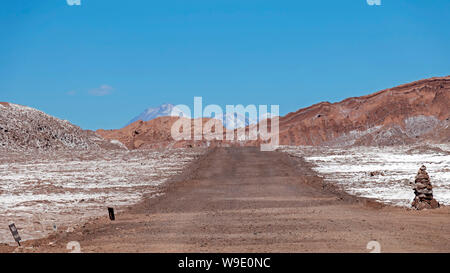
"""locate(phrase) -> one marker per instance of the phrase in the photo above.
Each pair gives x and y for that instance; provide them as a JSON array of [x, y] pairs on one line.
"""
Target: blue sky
[[103, 62]]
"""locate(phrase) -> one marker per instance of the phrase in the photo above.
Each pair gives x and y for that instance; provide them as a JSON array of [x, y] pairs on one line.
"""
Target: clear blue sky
[[102, 63]]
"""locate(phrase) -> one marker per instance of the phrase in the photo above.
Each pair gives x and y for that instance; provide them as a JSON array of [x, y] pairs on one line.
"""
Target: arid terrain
[[41, 192], [245, 200], [342, 177]]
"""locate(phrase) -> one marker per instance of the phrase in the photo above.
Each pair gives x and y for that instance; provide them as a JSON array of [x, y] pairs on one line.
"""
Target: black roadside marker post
[[15, 233], [111, 214]]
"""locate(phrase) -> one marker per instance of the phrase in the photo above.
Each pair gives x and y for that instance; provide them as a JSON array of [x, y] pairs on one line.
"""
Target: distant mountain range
[[416, 112], [229, 120]]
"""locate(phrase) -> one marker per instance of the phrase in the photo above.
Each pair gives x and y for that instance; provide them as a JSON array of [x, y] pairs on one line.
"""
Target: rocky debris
[[24, 128], [423, 191]]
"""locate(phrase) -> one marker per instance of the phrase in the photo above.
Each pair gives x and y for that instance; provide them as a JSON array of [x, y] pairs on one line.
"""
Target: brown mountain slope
[[398, 115], [155, 133]]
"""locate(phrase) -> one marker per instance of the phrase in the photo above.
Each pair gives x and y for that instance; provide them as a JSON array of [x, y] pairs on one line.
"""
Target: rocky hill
[[417, 111], [25, 128]]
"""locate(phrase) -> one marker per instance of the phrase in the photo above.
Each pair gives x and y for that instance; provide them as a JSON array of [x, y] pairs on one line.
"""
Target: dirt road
[[244, 200]]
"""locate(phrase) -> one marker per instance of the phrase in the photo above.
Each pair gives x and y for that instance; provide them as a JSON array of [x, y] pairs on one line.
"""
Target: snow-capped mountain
[[230, 120], [160, 111]]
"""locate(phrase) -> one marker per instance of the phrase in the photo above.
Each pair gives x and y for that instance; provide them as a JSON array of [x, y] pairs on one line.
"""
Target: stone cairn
[[423, 191]]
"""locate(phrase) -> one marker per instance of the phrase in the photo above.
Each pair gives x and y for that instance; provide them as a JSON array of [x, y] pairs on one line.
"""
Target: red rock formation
[[398, 115], [154, 133]]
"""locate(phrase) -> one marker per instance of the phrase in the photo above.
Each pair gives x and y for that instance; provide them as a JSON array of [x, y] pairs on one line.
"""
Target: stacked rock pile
[[423, 191]]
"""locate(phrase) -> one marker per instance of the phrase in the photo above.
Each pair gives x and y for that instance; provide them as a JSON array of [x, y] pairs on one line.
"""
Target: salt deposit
[[38, 190], [383, 173]]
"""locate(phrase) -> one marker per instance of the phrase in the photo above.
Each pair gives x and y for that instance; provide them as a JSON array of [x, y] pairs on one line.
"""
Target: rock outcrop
[[24, 128], [423, 191]]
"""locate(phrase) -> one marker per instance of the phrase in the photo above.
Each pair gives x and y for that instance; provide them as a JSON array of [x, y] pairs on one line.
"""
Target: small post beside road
[[111, 214], [15, 233]]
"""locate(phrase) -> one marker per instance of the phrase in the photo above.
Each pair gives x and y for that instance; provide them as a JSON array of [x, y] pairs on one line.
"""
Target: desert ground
[[240, 199], [43, 192]]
